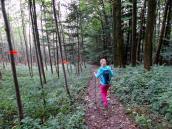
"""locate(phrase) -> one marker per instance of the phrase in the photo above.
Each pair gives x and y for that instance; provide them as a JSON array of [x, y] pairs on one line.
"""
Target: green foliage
[[143, 121], [148, 93], [57, 113]]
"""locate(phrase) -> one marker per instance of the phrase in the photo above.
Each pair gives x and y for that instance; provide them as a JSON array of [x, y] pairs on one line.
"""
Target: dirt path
[[98, 118]]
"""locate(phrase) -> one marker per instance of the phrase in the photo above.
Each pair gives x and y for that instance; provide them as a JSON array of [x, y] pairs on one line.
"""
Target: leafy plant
[[151, 90]]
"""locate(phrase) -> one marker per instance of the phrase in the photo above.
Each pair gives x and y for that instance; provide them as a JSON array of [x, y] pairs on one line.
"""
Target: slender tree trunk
[[60, 45], [30, 50], [78, 52], [162, 33], [126, 59], [37, 40], [34, 38], [57, 57], [129, 37], [13, 66], [142, 17], [106, 24], [48, 41], [37, 45], [42, 31], [2, 50], [64, 44], [103, 30], [169, 22], [25, 39], [149, 34], [49, 51], [134, 39], [22, 59]]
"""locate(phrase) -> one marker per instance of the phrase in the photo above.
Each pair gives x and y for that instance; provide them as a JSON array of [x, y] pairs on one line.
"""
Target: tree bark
[[142, 17], [134, 39], [25, 39], [13, 66], [34, 39], [118, 35], [37, 38], [60, 45], [149, 34], [42, 32], [162, 33], [169, 21], [48, 41]]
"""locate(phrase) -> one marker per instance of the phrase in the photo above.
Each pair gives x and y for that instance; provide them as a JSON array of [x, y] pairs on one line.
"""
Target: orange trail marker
[[13, 52]]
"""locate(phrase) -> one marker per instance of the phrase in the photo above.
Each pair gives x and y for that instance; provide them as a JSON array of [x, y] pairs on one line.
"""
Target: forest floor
[[99, 118]]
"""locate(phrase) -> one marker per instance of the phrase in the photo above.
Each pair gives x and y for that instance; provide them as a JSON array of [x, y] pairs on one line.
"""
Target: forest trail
[[97, 118]]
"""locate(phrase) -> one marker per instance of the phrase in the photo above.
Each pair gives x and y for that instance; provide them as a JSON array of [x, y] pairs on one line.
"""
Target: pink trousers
[[103, 91]]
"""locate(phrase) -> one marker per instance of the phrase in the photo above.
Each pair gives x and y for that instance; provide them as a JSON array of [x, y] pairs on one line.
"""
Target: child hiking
[[104, 74]]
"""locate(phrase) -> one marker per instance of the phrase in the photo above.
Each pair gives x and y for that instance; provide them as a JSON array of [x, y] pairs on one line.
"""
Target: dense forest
[[49, 50]]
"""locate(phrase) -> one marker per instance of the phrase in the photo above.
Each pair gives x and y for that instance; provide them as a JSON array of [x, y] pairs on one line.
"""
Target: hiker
[[104, 74]]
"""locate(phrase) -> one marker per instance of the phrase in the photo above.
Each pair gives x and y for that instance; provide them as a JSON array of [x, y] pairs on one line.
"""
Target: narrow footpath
[[99, 118]]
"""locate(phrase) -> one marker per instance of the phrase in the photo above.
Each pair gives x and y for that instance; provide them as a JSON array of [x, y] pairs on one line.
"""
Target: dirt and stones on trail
[[99, 118]]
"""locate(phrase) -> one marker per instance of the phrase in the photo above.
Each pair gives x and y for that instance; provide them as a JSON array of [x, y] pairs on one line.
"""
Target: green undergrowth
[[147, 95], [57, 113]]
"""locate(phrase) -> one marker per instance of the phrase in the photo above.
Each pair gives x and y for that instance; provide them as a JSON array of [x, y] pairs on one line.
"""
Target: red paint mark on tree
[[13, 52], [64, 62]]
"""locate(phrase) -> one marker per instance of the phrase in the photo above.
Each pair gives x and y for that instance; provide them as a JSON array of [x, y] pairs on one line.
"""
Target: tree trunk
[[106, 25], [42, 31], [78, 50], [25, 39], [37, 38], [118, 35], [57, 57], [13, 66], [169, 21], [149, 34], [103, 31], [162, 33], [134, 39], [2, 50], [60, 45], [48, 41], [30, 50], [142, 17], [34, 38]]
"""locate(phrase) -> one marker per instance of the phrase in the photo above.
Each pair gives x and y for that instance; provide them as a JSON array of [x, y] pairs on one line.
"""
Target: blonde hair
[[101, 60]]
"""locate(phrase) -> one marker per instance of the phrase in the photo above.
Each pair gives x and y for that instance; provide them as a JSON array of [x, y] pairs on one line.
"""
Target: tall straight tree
[[34, 39], [47, 35], [35, 27], [60, 47], [141, 31], [149, 34], [13, 66], [169, 21], [117, 34], [106, 25], [25, 39], [134, 26], [42, 34], [162, 34]]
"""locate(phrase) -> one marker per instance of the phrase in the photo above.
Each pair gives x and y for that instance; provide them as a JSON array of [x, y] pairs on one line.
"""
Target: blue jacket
[[99, 74]]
